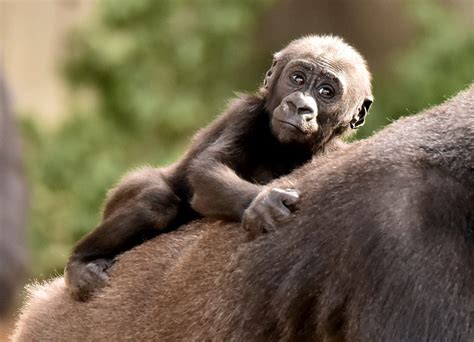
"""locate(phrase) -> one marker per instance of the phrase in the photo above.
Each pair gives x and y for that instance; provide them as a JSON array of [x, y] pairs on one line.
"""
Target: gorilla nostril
[[308, 117], [291, 104], [305, 111]]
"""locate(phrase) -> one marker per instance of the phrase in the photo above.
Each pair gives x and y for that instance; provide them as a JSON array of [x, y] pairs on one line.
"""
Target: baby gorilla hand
[[269, 208], [83, 279]]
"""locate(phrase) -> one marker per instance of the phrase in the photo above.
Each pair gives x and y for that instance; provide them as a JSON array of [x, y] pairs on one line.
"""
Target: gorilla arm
[[220, 192]]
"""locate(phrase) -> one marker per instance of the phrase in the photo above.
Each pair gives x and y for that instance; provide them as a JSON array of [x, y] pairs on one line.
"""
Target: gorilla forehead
[[332, 53]]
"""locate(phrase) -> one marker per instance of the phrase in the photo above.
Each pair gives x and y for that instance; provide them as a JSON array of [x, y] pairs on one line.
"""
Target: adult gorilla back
[[380, 249], [12, 204]]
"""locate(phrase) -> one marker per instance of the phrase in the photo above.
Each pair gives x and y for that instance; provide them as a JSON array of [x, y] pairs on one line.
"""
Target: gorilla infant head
[[315, 84]]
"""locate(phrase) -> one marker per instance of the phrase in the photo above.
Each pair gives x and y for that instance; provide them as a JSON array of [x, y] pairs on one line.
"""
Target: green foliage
[[165, 63], [438, 65], [157, 70]]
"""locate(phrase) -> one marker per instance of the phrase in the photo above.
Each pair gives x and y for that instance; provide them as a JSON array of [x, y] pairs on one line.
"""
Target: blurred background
[[96, 88]]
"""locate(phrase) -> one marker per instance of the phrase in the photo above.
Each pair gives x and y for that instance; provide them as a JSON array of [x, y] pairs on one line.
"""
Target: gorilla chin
[[289, 132]]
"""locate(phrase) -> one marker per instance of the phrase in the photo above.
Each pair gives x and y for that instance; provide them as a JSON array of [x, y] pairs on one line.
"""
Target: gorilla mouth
[[293, 125]]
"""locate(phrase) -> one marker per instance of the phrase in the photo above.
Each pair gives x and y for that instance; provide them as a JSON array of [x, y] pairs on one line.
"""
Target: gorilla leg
[[140, 207]]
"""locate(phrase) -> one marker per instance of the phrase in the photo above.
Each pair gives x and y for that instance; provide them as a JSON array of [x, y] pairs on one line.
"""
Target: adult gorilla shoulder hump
[[317, 89], [381, 248]]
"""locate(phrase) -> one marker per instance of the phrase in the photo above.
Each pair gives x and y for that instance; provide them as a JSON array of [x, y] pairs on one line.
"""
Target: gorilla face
[[306, 95], [315, 88]]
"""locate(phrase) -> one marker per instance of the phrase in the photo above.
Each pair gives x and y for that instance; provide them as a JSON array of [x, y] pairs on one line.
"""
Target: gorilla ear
[[269, 73], [359, 118]]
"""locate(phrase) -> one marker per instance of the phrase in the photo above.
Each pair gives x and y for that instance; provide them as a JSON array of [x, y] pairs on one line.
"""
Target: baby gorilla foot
[[269, 208], [83, 279]]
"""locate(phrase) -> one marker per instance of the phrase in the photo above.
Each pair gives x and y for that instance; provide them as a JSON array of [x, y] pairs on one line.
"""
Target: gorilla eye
[[326, 91], [298, 78]]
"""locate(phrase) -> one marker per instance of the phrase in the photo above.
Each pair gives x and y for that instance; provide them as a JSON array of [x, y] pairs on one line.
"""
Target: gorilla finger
[[281, 212], [268, 222], [288, 197], [291, 193], [250, 220], [254, 228], [275, 209]]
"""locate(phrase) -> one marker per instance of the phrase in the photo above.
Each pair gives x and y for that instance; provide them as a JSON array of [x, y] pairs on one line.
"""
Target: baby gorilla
[[317, 88]]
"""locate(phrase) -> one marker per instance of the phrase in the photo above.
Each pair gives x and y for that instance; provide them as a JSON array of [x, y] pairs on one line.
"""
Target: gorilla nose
[[306, 112], [302, 109]]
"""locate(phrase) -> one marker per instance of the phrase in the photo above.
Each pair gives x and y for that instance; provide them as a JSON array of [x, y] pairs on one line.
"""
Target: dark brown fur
[[259, 138], [381, 248]]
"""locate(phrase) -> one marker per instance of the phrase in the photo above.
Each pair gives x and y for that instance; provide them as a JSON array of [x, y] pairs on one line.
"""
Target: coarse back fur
[[381, 248]]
